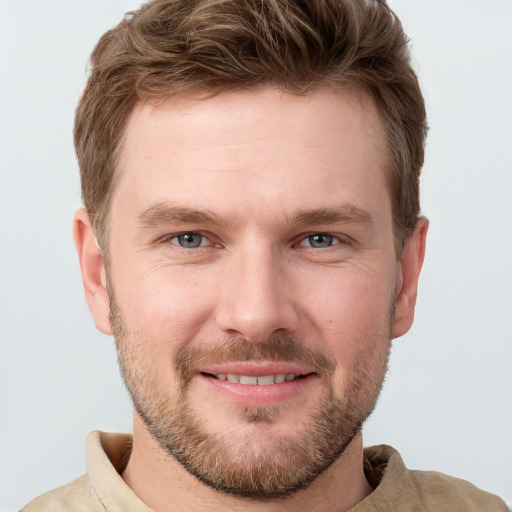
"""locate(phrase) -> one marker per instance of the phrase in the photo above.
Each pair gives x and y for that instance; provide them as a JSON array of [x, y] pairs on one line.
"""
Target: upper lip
[[257, 369]]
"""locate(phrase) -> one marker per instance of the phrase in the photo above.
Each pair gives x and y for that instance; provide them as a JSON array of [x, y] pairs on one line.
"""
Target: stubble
[[261, 463]]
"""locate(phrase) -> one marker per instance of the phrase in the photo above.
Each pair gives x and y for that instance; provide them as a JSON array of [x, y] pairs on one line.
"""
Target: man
[[251, 236]]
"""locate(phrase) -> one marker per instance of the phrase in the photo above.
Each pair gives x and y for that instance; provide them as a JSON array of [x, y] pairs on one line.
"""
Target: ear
[[93, 271], [409, 268]]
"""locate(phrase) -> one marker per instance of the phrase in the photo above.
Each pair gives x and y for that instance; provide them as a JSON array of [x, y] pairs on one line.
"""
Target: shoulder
[[398, 488], [77, 496], [444, 492]]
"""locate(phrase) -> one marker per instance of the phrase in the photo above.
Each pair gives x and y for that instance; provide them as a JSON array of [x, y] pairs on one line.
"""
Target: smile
[[251, 380], [250, 384]]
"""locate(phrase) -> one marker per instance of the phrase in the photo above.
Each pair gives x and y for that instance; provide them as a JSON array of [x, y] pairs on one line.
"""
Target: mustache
[[276, 349]]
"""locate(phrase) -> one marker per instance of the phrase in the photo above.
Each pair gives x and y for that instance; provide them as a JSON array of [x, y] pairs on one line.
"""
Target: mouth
[[257, 380], [258, 384]]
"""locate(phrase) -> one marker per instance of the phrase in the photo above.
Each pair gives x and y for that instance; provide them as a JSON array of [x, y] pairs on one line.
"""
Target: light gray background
[[447, 402]]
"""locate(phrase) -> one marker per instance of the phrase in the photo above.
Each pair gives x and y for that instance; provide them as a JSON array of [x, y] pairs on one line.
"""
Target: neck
[[164, 485]]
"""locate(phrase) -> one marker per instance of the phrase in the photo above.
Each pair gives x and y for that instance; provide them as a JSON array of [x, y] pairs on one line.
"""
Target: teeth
[[245, 379], [264, 380]]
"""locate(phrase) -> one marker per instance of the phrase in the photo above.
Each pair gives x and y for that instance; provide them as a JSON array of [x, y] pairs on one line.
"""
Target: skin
[[255, 160]]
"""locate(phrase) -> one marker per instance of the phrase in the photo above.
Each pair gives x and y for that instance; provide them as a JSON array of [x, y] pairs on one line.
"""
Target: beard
[[253, 459]]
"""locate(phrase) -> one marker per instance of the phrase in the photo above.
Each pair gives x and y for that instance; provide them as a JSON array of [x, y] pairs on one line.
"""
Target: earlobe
[[408, 274], [93, 271]]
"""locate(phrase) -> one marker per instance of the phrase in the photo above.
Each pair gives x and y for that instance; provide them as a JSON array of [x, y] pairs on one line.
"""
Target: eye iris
[[320, 241], [190, 240]]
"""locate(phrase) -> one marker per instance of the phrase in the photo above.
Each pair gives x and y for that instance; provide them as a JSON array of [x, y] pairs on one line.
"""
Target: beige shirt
[[396, 488]]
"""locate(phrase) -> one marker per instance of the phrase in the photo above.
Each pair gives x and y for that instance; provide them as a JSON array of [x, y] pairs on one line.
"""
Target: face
[[252, 281]]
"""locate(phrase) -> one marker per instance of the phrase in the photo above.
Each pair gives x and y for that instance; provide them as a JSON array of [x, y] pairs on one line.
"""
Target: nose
[[257, 297]]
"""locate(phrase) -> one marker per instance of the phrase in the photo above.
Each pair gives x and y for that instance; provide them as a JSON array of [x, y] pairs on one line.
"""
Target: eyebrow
[[346, 213], [164, 213]]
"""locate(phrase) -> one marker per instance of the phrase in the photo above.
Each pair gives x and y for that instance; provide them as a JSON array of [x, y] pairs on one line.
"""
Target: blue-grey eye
[[190, 240], [320, 241]]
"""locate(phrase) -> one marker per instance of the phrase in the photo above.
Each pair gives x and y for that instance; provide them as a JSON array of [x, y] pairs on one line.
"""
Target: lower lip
[[254, 395]]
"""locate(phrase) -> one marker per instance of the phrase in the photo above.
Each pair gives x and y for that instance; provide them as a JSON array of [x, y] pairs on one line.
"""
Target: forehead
[[264, 149]]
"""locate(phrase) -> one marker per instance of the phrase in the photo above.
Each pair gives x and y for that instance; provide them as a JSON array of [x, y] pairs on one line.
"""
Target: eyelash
[[334, 240], [176, 236]]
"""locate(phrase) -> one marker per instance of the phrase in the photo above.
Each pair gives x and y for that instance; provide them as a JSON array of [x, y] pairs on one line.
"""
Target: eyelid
[[338, 239], [203, 241], [207, 236]]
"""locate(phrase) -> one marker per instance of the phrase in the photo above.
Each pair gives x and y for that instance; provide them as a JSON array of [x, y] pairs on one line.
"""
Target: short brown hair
[[171, 46]]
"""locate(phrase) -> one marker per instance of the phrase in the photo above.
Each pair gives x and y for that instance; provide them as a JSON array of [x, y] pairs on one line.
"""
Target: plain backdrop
[[447, 401]]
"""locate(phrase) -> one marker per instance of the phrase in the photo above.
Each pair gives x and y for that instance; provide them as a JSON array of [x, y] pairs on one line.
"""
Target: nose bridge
[[256, 300]]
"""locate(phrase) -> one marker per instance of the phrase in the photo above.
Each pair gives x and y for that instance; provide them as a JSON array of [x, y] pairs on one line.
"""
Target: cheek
[[165, 308], [352, 316], [349, 302]]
